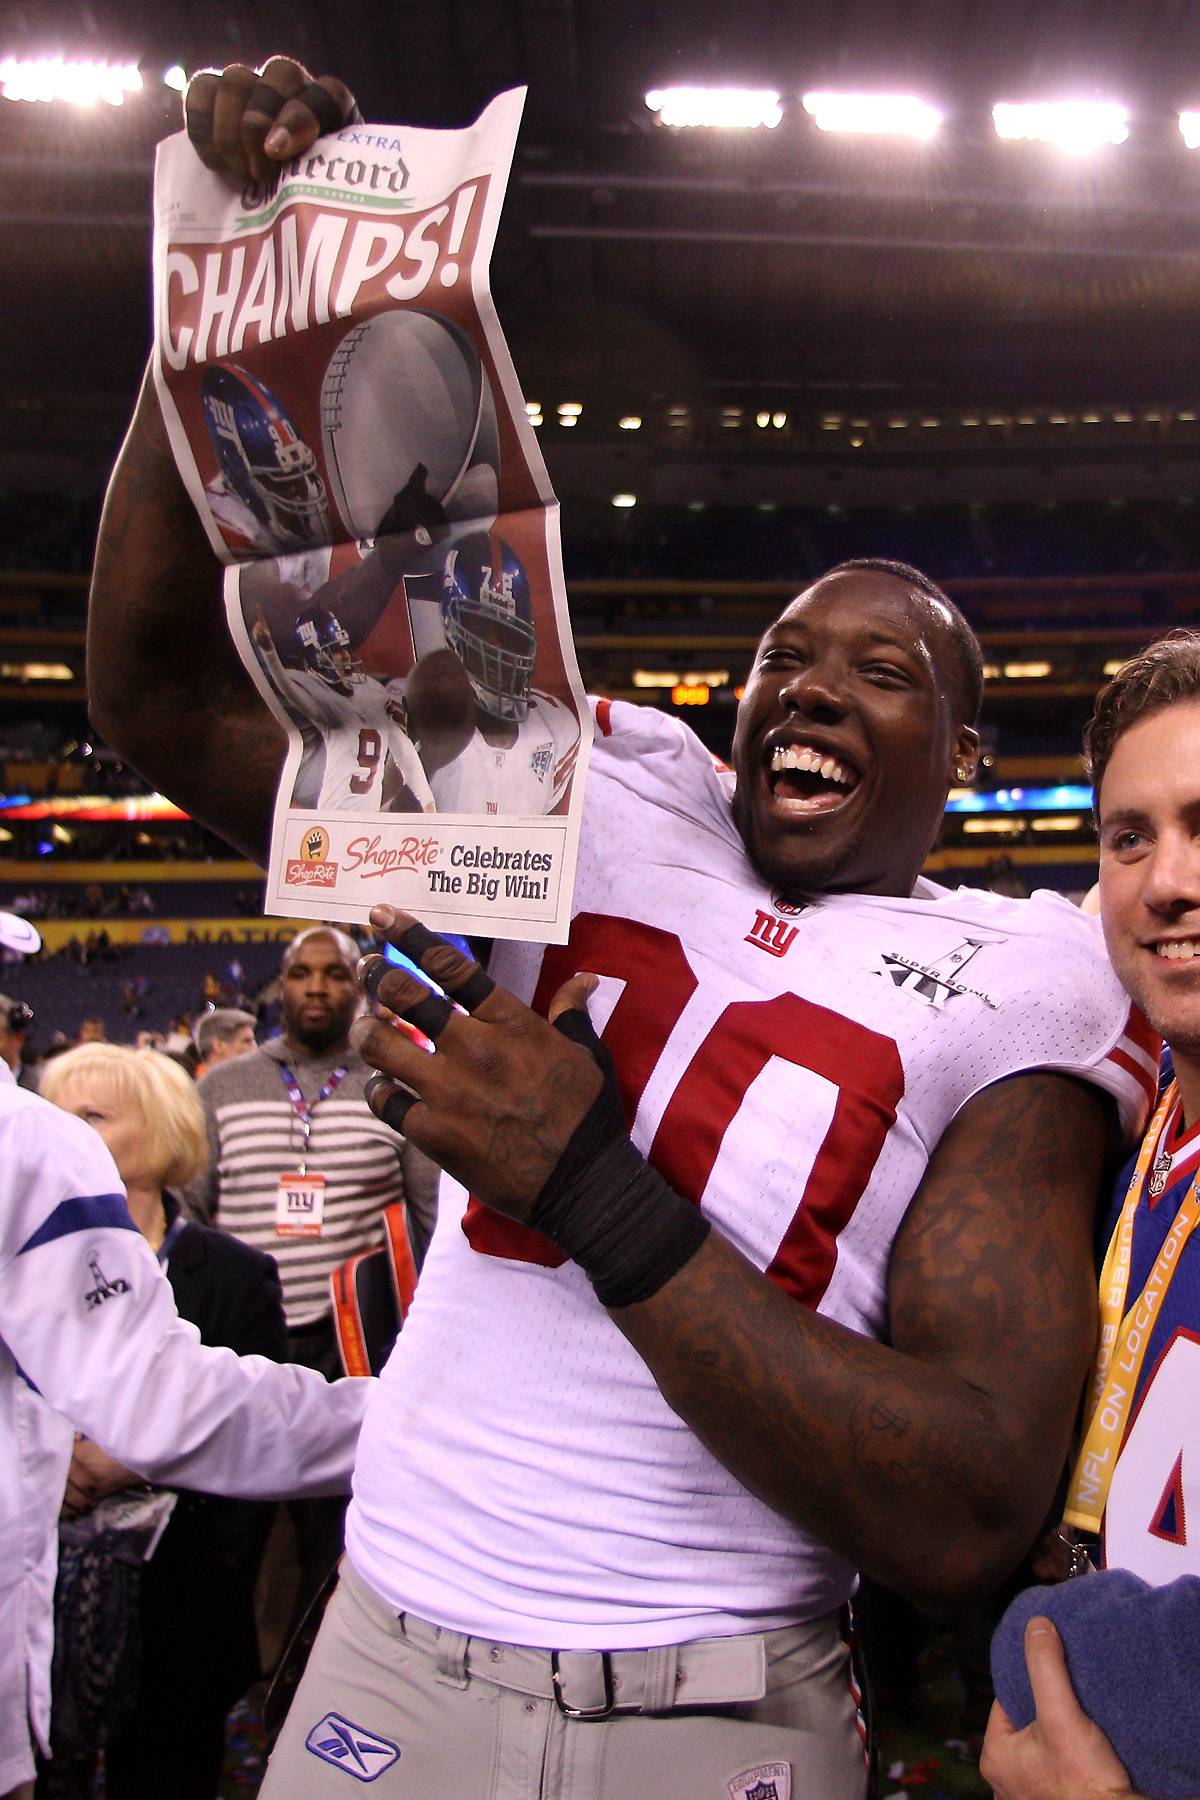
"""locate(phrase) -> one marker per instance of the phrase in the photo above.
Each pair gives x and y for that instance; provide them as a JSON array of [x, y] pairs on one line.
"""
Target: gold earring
[[963, 773]]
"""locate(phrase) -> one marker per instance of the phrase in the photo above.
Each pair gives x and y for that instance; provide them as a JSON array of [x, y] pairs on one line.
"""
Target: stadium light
[[1075, 125], [725, 108], [890, 115], [175, 77], [50, 78], [624, 501]]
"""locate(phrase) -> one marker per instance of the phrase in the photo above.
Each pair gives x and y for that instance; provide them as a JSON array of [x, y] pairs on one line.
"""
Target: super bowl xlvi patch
[[938, 982], [351, 1748], [766, 1781], [103, 1289], [540, 760]]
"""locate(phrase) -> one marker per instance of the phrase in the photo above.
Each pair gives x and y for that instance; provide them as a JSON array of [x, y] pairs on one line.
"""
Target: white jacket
[[89, 1337]]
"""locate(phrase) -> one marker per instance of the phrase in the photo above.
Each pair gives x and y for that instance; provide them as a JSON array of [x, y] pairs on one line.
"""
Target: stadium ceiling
[[641, 268]]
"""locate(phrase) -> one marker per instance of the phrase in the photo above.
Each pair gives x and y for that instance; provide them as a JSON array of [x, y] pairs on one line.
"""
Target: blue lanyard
[[304, 1109]]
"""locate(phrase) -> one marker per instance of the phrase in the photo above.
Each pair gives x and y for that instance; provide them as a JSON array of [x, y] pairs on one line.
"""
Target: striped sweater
[[255, 1135]]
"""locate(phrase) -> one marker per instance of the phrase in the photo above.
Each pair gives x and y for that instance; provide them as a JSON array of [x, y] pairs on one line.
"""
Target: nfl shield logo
[[767, 1781]]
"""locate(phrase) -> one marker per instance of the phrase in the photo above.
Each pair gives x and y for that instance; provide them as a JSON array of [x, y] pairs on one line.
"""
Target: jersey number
[[659, 981], [370, 749]]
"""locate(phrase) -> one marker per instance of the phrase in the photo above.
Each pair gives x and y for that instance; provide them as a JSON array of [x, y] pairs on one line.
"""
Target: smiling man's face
[[848, 737], [1149, 807]]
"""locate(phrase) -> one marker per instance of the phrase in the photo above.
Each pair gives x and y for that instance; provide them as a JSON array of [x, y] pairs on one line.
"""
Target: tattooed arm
[[931, 1462], [165, 686]]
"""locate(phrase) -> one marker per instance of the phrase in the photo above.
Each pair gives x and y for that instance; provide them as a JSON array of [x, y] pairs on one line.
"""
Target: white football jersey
[[528, 779], [790, 1068], [359, 731]]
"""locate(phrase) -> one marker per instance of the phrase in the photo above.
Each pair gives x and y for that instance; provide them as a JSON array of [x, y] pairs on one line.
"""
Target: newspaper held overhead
[[345, 415]]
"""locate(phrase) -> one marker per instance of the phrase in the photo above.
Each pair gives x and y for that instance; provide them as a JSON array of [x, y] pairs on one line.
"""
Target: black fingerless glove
[[604, 1206]]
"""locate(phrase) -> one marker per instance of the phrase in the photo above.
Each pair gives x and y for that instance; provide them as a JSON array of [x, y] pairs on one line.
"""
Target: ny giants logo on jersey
[[768, 933], [540, 761]]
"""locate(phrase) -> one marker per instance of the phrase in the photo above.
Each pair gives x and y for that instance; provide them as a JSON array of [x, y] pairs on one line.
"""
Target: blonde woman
[[199, 1651]]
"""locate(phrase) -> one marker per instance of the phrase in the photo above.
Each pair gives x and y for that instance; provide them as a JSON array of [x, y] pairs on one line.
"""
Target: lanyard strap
[[305, 1109], [169, 1237], [1124, 1336]]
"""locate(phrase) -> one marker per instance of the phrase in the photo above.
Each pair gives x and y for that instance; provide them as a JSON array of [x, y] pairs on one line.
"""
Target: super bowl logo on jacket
[[937, 982], [104, 1288]]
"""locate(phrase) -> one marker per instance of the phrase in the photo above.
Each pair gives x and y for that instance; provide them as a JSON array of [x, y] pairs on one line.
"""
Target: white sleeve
[[301, 696], [91, 1322], [565, 727], [403, 753]]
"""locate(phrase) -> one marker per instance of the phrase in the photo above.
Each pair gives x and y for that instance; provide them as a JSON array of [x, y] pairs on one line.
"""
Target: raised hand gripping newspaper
[[346, 417]]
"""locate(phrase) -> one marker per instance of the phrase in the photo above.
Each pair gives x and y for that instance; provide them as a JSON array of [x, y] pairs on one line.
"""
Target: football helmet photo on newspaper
[[264, 462], [487, 616], [323, 645]]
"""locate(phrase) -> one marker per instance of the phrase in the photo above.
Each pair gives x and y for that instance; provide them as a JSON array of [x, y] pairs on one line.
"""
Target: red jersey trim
[[1147, 1083]]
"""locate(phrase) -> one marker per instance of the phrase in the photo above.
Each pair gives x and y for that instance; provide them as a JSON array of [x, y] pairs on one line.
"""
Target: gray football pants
[[422, 1713]]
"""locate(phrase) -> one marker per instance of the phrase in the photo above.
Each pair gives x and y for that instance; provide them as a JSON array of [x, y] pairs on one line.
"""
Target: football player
[[357, 755], [787, 1277], [520, 757], [268, 495]]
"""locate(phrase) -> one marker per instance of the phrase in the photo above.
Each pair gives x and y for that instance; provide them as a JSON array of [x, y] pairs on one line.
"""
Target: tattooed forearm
[[165, 685], [930, 1461], [522, 1152]]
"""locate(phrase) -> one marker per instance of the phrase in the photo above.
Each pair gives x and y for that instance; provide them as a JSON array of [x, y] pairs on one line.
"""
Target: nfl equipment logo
[[769, 1781], [350, 1748]]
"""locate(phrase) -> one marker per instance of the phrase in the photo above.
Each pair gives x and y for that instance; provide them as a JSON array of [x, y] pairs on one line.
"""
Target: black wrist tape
[[605, 1207]]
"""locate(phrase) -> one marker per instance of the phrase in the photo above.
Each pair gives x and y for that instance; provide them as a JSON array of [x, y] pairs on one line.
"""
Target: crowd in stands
[[50, 533], [87, 901], [181, 841]]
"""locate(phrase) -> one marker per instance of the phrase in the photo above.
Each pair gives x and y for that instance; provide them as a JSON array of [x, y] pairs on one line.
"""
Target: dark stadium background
[[975, 355]]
